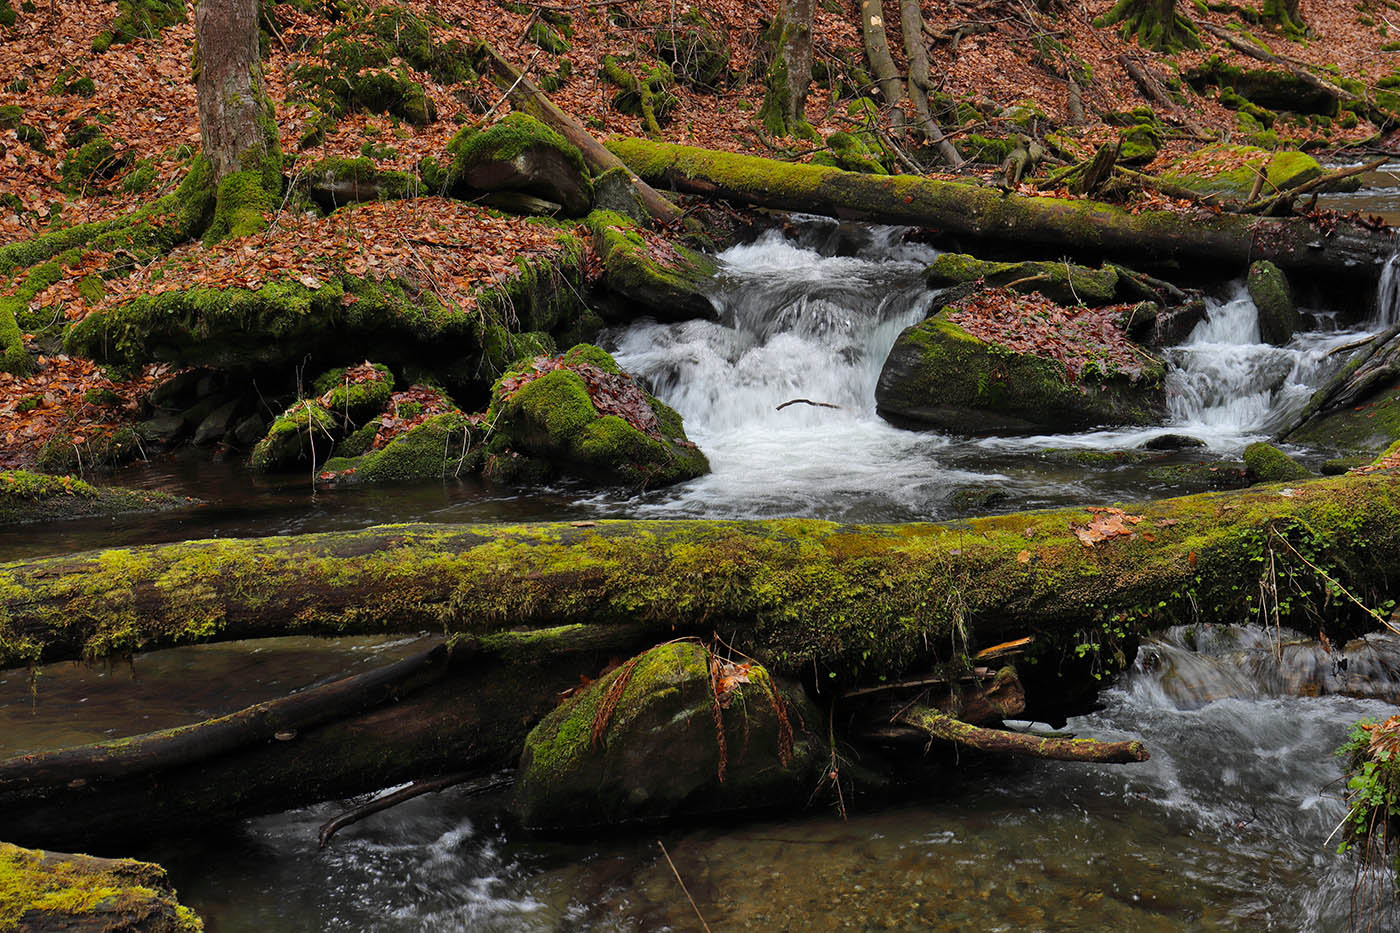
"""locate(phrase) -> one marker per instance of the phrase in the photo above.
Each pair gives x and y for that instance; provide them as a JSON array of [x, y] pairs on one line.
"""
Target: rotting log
[[1090, 229], [796, 594]]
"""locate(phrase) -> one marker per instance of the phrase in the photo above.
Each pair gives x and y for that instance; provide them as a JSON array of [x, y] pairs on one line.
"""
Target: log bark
[[850, 599], [789, 75], [877, 50], [1092, 230], [911, 21], [999, 741], [528, 96]]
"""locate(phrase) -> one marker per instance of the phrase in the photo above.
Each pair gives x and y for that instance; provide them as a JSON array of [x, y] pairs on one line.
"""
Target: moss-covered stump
[[519, 153], [1279, 319], [1232, 170], [1004, 363], [1062, 282], [649, 275], [304, 433], [36, 497], [675, 731], [1265, 463], [52, 891], [580, 414]]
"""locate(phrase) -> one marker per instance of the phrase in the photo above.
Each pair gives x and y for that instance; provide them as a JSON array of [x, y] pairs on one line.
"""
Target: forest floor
[[138, 96]]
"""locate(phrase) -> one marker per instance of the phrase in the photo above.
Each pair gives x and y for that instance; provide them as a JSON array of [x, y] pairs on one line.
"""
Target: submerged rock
[[580, 414], [519, 153], [675, 731], [1035, 367], [54, 891]]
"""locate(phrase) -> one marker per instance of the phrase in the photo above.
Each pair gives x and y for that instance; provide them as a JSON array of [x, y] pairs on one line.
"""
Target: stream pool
[[1227, 827]]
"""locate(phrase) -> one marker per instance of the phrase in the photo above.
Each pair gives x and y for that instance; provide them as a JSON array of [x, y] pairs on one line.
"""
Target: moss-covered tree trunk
[[790, 70], [877, 49], [1287, 15], [1352, 254], [911, 21], [1156, 23], [236, 124]]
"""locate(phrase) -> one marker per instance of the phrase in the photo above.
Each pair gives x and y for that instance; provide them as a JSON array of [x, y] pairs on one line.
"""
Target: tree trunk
[[1156, 23], [790, 72], [1287, 15], [911, 22], [236, 124], [877, 49], [1351, 254]]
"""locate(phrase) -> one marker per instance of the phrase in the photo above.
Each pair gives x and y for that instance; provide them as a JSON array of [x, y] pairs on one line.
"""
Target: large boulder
[[1000, 362], [519, 153], [54, 891], [1278, 315], [580, 414], [649, 277], [675, 731]]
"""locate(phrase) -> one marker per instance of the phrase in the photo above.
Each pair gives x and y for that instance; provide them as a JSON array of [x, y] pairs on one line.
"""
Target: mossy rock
[[103, 450], [848, 151], [1219, 474], [139, 19], [92, 165], [304, 433], [658, 752], [1271, 88], [334, 182], [53, 891], [1062, 282], [1265, 463], [38, 497], [519, 153], [671, 287], [940, 376], [354, 399], [443, 446], [1268, 287], [1365, 429], [547, 412], [1231, 170], [1141, 144]]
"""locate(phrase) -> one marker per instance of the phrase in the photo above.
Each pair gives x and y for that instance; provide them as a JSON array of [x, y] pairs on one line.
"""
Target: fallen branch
[[940, 726], [1267, 205], [806, 401], [1293, 65], [416, 789]]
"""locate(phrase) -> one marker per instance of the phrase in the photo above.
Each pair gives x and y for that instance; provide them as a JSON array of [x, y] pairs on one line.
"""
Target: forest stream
[[1229, 825]]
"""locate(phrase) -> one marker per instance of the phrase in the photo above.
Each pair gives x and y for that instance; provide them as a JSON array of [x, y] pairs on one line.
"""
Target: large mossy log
[[796, 594], [1087, 228]]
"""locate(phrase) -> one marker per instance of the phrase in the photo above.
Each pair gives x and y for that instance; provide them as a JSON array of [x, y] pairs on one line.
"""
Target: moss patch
[[42, 890], [1063, 282], [1231, 170], [35, 497], [1268, 464], [653, 276]]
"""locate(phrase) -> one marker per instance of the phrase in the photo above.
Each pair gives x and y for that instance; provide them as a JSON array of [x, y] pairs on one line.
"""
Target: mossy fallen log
[[1090, 229], [795, 594], [42, 891]]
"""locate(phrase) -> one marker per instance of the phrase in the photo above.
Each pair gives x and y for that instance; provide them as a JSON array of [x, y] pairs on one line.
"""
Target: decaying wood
[[405, 794], [1296, 68], [941, 726], [1144, 78]]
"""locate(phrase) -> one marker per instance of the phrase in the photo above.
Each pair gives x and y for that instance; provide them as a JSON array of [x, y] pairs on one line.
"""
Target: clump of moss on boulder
[[57, 891], [519, 153], [35, 497], [1231, 170], [579, 414], [442, 446], [1265, 463], [643, 744], [355, 394], [335, 181], [1036, 367], [660, 278], [139, 19], [304, 433]]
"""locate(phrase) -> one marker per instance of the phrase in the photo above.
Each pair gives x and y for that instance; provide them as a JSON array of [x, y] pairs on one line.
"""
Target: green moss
[[506, 139], [354, 402], [13, 357], [306, 432], [55, 891], [1268, 464], [11, 116], [359, 179], [1062, 282], [91, 165], [8, 16], [34, 497], [1227, 175], [61, 453], [1278, 315], [1141, 144], [669, 288], [139, 19], [695, 49], [443, 446]]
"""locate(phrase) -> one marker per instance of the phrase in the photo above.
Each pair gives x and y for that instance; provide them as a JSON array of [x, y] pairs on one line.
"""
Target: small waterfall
[[1388, 294], [1229, 389]]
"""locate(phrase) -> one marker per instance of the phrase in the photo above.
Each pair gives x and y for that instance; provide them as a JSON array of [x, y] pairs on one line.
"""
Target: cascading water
[[1388, 294]]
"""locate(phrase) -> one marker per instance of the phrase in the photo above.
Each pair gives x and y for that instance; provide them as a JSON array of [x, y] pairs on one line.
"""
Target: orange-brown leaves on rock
[[1107, 522], [727, 677], [611, 393], [1073, 337], [411, 407]]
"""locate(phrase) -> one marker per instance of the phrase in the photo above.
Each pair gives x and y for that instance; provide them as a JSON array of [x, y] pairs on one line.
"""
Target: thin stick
[[698, 916], [416, 789], [806, 401]]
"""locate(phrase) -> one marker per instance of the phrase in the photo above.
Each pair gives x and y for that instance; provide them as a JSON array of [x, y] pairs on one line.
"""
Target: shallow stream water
[[1226, 827]]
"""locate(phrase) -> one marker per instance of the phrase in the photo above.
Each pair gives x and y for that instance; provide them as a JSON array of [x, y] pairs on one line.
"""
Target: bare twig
[[698, 916]]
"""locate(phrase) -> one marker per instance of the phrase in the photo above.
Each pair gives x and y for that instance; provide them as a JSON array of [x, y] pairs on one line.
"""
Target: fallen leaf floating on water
[[1108, 522]]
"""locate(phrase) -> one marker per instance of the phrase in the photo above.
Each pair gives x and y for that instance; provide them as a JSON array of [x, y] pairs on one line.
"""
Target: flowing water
[[1226, 827]]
